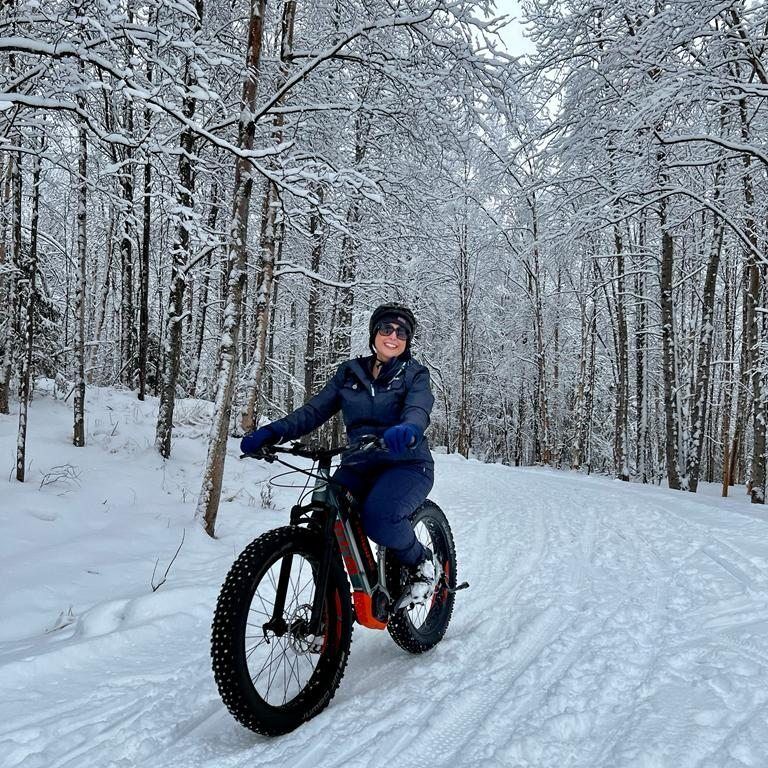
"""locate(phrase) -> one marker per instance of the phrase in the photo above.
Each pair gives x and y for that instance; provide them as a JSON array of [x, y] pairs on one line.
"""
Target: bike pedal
[[463, 585]]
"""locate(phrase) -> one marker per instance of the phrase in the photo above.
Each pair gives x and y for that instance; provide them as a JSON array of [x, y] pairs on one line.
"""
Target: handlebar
[[269, 452]]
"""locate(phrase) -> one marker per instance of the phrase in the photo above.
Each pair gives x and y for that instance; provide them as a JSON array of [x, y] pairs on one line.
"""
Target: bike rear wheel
[[420, 628], [273, 676]]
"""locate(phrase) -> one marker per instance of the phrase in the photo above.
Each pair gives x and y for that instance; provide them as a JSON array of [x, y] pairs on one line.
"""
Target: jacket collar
[[361, 366]]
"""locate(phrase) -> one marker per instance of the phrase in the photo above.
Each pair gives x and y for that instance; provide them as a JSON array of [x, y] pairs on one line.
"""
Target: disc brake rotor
[[300, 641]]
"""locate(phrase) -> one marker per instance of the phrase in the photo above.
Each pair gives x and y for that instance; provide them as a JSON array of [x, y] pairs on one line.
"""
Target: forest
[[206, 200]]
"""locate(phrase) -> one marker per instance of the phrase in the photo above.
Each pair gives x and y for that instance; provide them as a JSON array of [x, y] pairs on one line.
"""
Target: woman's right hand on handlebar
[[254, 442]]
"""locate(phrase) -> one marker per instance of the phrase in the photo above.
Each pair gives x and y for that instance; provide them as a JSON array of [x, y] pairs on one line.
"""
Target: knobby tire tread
[[400, 628], [229, 627]]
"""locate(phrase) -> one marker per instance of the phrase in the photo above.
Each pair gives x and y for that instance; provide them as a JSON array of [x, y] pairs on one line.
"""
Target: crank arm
[[463, 585]]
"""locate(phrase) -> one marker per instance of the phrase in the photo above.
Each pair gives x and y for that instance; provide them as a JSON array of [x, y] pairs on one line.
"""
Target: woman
[[386, 394]]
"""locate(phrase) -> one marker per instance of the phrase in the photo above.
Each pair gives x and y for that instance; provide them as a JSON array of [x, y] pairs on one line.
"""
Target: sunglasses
[[386, 329]]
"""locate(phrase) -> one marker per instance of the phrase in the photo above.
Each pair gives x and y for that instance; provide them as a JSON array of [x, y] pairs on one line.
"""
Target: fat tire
[[420, 639], [228, 634]]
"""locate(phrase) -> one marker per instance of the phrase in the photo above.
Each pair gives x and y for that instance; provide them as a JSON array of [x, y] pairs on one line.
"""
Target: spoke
[[418, 616], [271, 675], [261, 642], [297, 588], [310, 583], [267, 610], [273, 644], [295, 672], [277, 660], [259, 595], [259, 637], [291, 604], [279, 664], [308, 659], [282, 661], [257, 611], [272, 578], [285, 682]]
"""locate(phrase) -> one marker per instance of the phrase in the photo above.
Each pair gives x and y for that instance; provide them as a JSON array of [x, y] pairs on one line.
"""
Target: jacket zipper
[[373, 391]]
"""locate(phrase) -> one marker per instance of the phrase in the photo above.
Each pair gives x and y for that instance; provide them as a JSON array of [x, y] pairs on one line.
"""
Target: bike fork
[[321, 586], [277, 623]]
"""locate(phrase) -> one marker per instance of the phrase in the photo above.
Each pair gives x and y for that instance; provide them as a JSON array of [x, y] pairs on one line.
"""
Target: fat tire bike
[[283, 623]]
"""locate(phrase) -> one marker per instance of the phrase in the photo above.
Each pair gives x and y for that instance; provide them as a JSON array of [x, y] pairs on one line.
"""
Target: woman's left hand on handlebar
[[400, 437]]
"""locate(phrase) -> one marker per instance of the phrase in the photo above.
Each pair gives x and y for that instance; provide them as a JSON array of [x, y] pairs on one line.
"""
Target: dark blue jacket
[[400, 394]]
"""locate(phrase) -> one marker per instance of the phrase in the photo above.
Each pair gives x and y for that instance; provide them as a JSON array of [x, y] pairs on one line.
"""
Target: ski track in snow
[[607, 625]]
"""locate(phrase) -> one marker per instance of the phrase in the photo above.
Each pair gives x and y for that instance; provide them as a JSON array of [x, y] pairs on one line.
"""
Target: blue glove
[[401, 437], [253, 442]]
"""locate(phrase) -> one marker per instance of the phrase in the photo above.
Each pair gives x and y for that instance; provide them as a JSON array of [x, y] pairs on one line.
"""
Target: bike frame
[[334, 508]]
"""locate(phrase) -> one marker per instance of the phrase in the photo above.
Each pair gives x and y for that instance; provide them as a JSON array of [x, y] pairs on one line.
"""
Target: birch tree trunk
[[126, 263], [587, 324], [208, 502], [181, 259], [273, 235], [269, 353], [463, 442], [272, 225], [78, 432], [202, 307], [290, 395], [144, 261], [542, 395], [521, 416], [669, 351], [10, 230], [743, 401], [342, 325], [28, 306], [643, 457], [94, 354], [581, 385], [621, 419], [313, 342], [728, 377], [704, 354], [757, 374]]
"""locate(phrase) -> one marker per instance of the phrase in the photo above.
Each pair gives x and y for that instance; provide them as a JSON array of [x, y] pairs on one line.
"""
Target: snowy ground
[[607, 625]]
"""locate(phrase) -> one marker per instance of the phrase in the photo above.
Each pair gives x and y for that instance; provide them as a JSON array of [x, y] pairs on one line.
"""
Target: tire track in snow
[[498, 681], [585, 605], [453, 721]]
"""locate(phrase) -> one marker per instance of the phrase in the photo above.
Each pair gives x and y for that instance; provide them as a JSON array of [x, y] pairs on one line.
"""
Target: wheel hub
[[277, 627], [299, 639]]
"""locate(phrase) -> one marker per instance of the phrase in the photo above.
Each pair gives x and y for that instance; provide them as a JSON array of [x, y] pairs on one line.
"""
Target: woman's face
[[389, 345]]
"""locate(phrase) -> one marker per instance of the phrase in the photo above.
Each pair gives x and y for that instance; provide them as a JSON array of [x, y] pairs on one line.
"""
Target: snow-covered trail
[[606, 625]]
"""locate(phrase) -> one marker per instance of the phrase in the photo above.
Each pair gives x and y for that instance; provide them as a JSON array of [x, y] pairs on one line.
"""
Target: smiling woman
[[386, 394], [390, 333]]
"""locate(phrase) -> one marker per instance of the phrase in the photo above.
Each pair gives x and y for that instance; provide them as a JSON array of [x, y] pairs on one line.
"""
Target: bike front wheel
[[421, 627], [271, 673]]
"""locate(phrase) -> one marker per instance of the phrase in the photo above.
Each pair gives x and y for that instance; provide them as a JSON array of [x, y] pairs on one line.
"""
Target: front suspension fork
[[277, 623]]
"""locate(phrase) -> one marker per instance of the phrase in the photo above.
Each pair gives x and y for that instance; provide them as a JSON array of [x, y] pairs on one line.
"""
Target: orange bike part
[[364, 611]]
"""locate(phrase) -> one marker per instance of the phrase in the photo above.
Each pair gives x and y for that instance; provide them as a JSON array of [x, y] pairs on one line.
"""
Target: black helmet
[[395, 313]]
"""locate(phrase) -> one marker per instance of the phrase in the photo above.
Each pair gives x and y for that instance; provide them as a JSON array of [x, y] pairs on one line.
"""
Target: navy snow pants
[[390, 494]]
